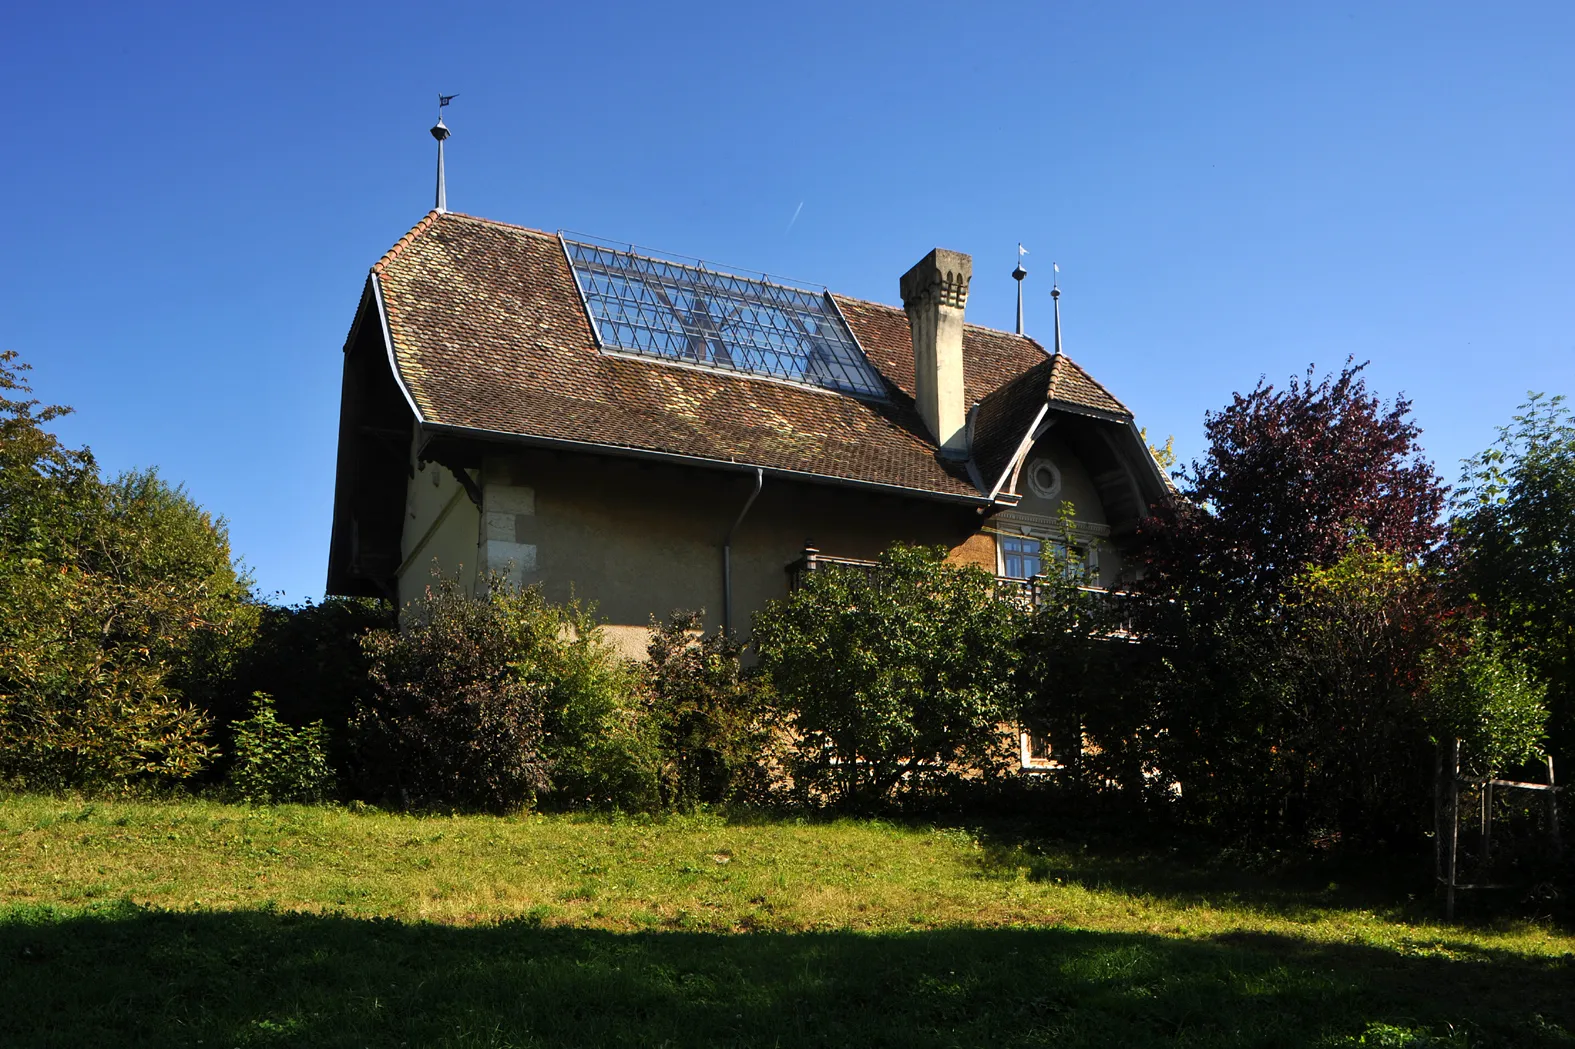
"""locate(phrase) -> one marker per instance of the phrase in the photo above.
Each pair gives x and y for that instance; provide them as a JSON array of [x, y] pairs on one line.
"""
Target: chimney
[[934, 293]]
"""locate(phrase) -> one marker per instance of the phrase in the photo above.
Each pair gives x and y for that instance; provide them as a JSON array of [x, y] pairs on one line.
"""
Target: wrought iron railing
[[1027, 593]]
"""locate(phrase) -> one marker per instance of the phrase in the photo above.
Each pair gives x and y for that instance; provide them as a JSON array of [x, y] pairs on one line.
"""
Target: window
[[1020, 557], [1074, 558], [1024, 558]]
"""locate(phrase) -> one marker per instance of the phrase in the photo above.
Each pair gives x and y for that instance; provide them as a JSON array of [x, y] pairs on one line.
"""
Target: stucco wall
[[451, 547], [1077, 489], [641, 539]]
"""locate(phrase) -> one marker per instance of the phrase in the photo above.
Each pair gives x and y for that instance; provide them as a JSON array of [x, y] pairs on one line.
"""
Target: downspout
[[727, 554]]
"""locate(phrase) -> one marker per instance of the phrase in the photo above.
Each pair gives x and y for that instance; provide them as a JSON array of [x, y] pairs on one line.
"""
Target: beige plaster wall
[[451, 547], [642, 539], [1077, 488]]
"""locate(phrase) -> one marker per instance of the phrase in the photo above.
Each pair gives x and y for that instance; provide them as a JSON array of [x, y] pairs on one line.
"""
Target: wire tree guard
[[1450, 815]]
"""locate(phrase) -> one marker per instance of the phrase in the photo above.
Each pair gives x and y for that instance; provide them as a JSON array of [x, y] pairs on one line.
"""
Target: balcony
[[1026, 593]]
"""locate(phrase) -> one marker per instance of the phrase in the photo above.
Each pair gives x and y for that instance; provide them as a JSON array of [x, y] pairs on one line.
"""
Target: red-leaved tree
[[1285, 701], [1291, 478]]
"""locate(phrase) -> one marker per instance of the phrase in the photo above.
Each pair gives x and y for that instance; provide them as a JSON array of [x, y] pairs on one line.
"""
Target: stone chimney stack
[[934, 293]]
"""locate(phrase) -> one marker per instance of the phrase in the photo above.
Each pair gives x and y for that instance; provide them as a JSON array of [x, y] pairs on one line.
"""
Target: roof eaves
[[632, 451]]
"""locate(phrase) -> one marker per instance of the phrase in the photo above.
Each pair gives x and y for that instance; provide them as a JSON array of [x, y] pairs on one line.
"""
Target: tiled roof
[[1007, 413], [489, 333]]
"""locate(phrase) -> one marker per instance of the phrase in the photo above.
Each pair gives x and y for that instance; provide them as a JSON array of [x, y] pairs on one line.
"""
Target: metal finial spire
[[1018, 274], [1055, 297], [440, 132]]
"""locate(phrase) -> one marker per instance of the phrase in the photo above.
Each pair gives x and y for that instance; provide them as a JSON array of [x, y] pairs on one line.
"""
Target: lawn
[[195, 923]]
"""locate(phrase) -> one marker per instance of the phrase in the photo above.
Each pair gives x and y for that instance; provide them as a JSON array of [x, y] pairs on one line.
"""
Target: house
[[650, 434]]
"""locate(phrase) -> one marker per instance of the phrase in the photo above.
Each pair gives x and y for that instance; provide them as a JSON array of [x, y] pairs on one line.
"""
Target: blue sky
[[1231, 191]]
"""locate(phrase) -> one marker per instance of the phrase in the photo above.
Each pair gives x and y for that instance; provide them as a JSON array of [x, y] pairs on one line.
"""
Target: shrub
[[117, 602], [276, 763], [486, 703], [310, 657], [708, 714], [891, 675]]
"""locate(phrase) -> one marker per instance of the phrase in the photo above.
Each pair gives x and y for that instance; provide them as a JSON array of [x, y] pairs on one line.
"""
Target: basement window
[[684, 312]]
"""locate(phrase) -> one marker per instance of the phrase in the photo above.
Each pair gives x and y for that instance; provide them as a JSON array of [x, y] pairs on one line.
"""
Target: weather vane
[[1018, 274], [440, 132]]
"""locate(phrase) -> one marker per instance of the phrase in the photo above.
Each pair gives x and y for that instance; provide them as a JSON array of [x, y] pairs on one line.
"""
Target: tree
[[1275, 587], [1514, 531], [1076, 681], [115, 600], [1291, 478], [892, 673]]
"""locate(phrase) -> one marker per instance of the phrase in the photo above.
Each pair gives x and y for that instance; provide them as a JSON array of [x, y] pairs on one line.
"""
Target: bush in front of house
[[119, 600], [892, 676], [495, 702], [276, 762], [710, 715]]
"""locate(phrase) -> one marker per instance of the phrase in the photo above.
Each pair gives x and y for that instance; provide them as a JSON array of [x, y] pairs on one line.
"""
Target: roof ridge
[[549, 234], [1055, 378], [431, 219], [415, 231], [966, 324]]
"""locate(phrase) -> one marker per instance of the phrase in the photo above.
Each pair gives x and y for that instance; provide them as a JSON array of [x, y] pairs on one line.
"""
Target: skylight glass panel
[[680, 311]]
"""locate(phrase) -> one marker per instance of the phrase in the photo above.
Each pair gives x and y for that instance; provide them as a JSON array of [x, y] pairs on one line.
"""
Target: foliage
[[891, 674], [275, 762], [1350, 736], [483, 703], [1291, 478], [310, 657], [1164, 455], [119, 600], [1288, 612], [709, 714], [1514, 527], [1075, 681], [1487, 699]]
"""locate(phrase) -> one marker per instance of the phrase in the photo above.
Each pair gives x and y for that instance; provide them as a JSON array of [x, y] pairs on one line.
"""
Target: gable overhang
[[377, 422], [1128, 479]]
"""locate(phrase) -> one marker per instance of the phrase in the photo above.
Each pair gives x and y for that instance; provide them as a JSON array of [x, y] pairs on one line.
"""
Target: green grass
[[191, 923]]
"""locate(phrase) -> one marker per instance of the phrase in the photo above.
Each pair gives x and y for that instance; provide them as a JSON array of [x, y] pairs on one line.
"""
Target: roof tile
[[490, 334]]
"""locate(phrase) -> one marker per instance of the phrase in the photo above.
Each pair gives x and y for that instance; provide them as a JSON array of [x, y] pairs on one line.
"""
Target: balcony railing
[[1027, 593]]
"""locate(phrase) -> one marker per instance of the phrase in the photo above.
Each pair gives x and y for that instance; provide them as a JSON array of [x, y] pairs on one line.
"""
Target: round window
[[1044, 480]]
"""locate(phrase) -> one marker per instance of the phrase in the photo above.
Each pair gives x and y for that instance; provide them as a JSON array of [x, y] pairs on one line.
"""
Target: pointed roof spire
[[440, 132], [1018, 274], [1055, 297]]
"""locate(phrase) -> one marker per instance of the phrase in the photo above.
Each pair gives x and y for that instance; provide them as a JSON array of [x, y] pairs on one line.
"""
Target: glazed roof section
[[489, 334], [667, 309]]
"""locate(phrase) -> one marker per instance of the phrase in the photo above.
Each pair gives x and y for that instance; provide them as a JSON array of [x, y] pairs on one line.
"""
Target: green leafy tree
[[116, 600], [1486, 697], [1514, 530], [709, 713], [893, 673], [1078, 679]]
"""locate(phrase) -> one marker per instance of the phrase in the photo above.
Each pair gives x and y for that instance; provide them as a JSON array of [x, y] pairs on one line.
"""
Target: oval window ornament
[[1044, 480]]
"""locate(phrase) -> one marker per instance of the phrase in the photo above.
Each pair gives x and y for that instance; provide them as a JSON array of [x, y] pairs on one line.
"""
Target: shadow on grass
[[1297, 888], [132, 977]]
